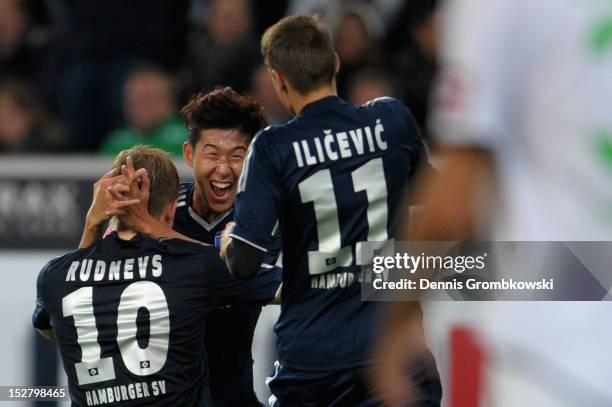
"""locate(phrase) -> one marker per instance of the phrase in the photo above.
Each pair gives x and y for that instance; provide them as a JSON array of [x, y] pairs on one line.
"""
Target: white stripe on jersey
[[245, 167], [373, 101], [242, 239], [208, 226]]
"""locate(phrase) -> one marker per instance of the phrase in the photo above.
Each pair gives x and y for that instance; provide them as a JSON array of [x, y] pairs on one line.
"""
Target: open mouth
[[221, 190]]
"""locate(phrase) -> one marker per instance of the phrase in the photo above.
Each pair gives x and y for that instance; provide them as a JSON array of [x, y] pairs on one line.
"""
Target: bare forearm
[[91, 234]]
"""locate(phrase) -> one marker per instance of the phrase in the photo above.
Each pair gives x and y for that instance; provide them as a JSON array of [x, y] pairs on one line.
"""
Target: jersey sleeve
[[225, 289], [40, 316], [414, 138], [257, 204], [479, 61]]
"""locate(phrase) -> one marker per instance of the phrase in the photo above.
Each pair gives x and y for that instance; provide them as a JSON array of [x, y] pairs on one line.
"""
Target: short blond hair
[[301, 48], [161, 171]]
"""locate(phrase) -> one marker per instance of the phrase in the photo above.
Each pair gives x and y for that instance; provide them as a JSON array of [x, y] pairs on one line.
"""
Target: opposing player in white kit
[[523, 117]]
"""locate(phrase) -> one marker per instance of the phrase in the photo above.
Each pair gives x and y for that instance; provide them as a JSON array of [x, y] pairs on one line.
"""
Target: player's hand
[[225, 238], [135, 216], [104, 203]]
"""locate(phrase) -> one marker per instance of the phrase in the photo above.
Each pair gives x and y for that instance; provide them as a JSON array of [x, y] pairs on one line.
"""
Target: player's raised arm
[[125, 195], [138, 216], [242, 259], [104, 204], [226, 289]]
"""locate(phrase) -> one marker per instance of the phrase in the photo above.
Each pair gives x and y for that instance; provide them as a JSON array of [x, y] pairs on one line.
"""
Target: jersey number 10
[[93, 367]]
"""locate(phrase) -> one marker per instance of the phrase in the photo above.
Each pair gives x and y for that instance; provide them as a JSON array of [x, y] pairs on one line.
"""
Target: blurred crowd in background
[[98, 77]]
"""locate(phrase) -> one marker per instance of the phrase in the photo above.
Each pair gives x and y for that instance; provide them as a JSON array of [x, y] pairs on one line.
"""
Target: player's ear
[[168, 214], [278, 81], [337, 63], [188, 153]]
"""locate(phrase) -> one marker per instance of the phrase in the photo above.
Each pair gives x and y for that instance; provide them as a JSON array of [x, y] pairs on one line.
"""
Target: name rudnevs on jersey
[[124, 269]]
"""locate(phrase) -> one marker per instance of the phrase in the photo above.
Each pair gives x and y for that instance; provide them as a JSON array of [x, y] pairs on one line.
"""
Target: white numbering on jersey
[[140, 361], [319, 190]]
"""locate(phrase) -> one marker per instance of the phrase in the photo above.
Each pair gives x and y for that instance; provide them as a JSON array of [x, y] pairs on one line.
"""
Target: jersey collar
[[208, 226], [321, 105]]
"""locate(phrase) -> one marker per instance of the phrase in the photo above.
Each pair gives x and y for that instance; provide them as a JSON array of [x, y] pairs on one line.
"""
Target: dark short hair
[[161, 171], [222, 108], [301, 48]]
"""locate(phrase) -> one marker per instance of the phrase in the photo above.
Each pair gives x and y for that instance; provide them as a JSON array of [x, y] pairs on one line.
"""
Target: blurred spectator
[[415, 58], [224, 51], [368, 85], [25, 123], [263, 90], [151, 110], [100, 43], [25, 53], [358, 30], [265, 12], [386, 8]]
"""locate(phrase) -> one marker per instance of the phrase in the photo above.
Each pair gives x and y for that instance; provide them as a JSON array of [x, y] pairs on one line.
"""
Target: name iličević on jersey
[[332, 146]]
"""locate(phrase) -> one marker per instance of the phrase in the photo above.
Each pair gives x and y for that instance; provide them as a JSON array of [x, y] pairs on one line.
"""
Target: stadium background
[[80, 79]]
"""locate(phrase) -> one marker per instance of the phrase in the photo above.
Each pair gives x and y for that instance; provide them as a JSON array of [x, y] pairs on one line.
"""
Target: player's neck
[[298, 101], [200, 207], [124, 232]]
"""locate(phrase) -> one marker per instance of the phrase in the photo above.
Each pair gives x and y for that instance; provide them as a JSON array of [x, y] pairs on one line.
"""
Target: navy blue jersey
[[129, 318], [334, 176], [229, 334], [189, 223]]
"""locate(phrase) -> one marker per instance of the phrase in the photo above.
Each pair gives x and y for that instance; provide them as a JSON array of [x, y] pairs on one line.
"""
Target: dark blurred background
[[99, 76]]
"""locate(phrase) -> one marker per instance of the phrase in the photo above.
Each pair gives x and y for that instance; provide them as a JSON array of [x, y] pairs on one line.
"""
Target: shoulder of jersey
[[181, 201], [385, 100], [58, 261], [270, 132], [180, 246]]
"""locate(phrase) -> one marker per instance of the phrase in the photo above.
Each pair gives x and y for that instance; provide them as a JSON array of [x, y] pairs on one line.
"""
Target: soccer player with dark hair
[[333, 178], [129, 311], [221, 124]]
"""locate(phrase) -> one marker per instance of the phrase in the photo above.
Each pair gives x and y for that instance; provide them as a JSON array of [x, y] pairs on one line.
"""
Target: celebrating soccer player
[[221, 125], [129, 311], [332, 178]]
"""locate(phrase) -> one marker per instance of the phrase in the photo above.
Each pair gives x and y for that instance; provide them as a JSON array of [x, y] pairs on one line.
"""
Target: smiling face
[[216, 160]]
